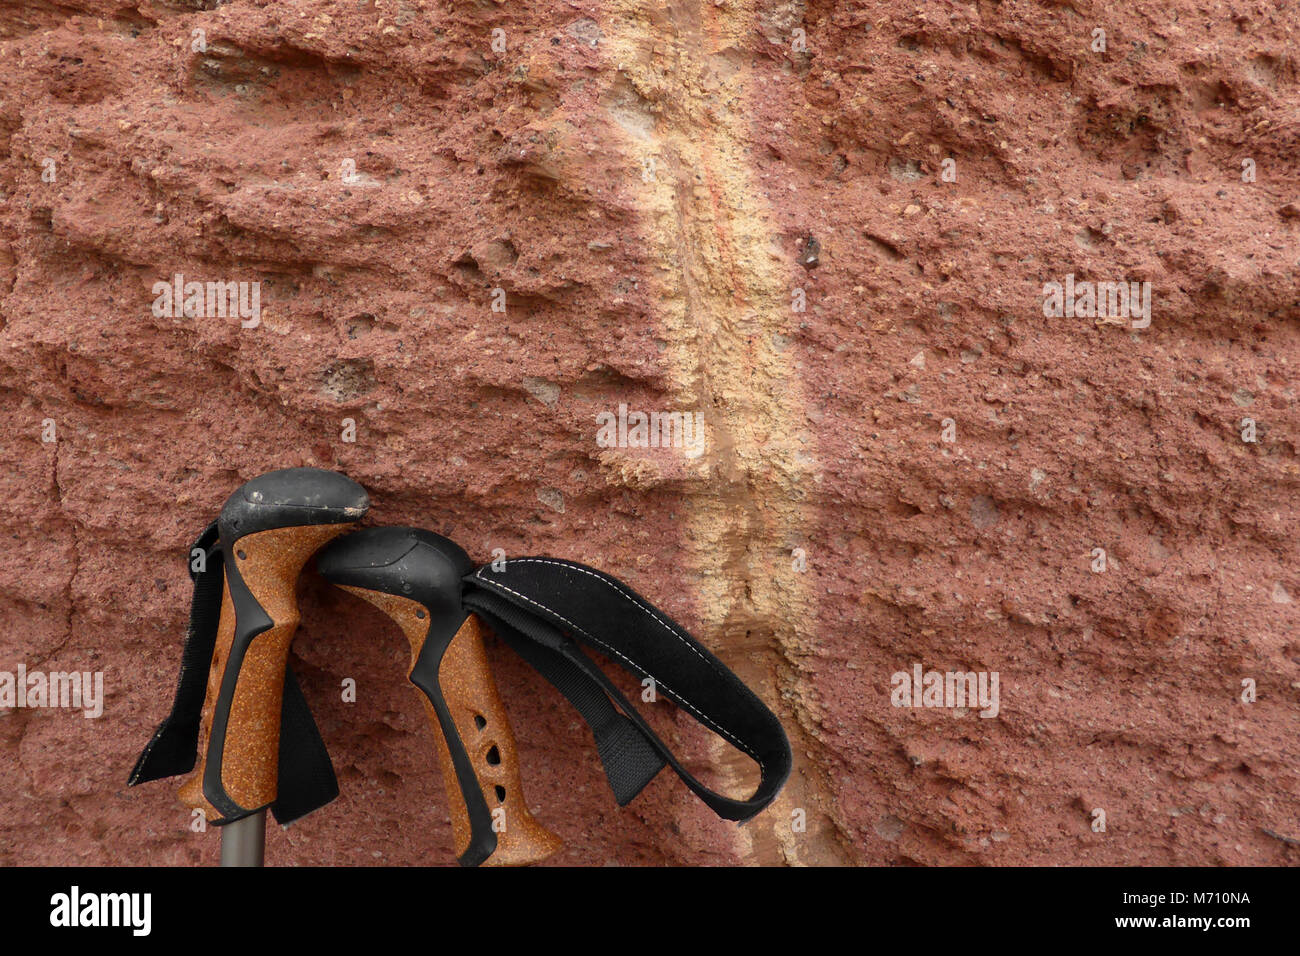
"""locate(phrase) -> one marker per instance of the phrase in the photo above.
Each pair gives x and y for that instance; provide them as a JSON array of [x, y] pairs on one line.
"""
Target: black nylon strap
[[558, 604], [306, 776], [306, 780], [629, 761], [173, 749]]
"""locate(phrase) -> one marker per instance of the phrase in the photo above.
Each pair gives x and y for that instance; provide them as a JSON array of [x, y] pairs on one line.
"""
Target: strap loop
[[558, 604]]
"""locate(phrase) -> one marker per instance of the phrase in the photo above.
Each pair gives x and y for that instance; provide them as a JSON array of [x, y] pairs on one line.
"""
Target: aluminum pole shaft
[[243, 842]]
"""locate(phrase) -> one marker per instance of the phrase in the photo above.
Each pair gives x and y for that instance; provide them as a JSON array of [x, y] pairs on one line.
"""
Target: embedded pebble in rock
[[983, 512]]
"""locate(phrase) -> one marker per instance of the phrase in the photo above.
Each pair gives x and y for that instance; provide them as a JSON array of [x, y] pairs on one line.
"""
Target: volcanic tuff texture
[[657, 188]]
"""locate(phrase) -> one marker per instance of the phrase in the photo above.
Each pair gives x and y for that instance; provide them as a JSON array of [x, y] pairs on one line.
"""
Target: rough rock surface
[[658, 188]]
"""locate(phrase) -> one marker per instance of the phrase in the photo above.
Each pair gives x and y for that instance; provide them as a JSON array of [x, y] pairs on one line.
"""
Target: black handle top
[[408, 562], [291, 497]]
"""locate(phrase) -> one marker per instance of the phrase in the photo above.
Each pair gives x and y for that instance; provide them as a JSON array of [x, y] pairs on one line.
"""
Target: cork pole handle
[[480, 718], [475, 743], [267, 530], [259, 616]]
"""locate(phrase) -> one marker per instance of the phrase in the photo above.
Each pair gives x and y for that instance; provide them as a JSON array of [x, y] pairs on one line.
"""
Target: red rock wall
[[642, 181]]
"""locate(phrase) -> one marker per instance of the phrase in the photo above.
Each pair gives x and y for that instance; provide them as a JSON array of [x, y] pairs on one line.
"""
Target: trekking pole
[[542, 608], [236, 690], [414, 577]]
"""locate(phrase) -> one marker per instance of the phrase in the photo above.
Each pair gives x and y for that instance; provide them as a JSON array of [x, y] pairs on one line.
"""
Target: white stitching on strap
[[703, 717]]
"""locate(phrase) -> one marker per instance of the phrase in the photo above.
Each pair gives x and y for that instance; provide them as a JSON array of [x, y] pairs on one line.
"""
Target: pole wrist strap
[[545, 608]]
